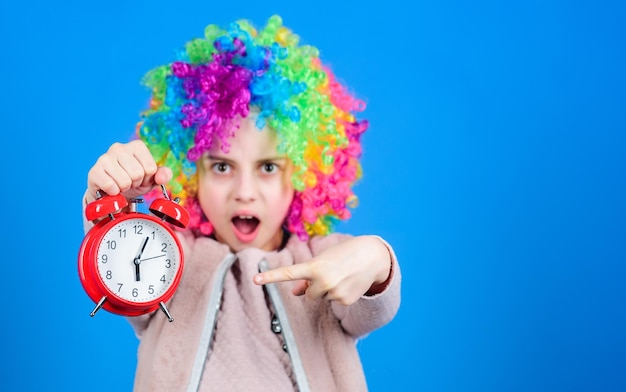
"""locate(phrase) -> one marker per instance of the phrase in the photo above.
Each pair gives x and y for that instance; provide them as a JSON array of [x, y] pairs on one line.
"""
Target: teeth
[[245, 216]]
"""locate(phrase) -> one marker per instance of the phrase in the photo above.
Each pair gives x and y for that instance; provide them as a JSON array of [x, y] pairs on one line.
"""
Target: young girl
[[261, 144]]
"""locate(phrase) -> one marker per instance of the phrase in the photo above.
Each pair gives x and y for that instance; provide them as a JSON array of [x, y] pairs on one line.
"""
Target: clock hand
[[154, 257], [137, 274], [137, 259]]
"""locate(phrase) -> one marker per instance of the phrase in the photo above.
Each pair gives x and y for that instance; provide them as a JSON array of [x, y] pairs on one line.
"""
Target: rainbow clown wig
[[199, 98]]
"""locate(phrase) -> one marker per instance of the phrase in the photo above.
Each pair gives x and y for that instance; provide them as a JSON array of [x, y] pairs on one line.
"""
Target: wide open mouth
[[245, 224]]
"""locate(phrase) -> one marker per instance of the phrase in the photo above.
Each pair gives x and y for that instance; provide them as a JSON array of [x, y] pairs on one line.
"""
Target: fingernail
[[258, 279]]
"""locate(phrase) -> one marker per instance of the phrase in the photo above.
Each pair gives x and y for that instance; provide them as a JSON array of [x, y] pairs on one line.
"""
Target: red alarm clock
[[130, 263]]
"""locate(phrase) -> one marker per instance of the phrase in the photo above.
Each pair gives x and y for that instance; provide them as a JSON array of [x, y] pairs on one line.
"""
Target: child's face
[[246, 193]]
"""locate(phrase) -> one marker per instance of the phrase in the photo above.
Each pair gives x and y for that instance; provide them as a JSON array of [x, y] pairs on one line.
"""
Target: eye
[[269, 168], [220, 167]]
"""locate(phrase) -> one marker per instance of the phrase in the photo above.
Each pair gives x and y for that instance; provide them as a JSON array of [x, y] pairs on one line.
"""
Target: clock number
[[109, 275], [111, 244], [151, 289], [120, 288], [122, 233], [168, 263], [153, 235], [135, 292], [138, 229], [164, 247], [162, 279], [104, 259]]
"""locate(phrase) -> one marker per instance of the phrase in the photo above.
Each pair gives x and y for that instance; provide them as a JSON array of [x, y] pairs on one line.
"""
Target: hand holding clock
[[128, 169]]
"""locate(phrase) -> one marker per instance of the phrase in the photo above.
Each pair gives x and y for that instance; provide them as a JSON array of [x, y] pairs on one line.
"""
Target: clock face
[[138, 260]]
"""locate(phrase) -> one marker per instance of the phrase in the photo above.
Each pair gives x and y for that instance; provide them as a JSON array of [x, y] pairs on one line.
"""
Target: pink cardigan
[[245, 354]]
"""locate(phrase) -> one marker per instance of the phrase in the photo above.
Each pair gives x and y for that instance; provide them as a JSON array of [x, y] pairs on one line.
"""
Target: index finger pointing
[[283, 274]]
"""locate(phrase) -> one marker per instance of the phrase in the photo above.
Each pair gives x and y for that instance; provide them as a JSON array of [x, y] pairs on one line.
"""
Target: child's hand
[[128, 169], [342, 273]]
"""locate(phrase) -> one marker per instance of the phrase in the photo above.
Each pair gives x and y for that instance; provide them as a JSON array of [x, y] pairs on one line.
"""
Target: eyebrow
[[210, 157]]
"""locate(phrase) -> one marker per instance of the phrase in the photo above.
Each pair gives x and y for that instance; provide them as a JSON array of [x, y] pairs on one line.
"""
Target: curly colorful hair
[[199, 98]]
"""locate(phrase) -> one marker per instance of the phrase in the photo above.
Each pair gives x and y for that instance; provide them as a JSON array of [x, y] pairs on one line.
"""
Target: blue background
[[494, 165]]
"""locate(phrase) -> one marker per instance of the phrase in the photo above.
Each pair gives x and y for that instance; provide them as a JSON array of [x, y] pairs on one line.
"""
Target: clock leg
[[167, 313], [98, 306]]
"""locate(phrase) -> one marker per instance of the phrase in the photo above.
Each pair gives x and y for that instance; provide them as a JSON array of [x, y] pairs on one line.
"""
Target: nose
[[246, 187]]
